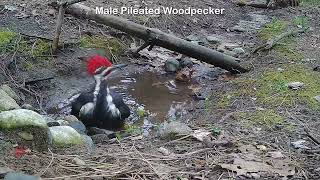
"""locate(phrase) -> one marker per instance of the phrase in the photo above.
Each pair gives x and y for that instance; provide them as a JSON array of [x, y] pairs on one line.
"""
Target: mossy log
[[156, 37]]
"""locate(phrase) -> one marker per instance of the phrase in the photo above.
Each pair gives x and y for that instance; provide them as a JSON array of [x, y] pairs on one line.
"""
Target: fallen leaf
[[20, 151], [242, 167], [276, 155], [200, 134]]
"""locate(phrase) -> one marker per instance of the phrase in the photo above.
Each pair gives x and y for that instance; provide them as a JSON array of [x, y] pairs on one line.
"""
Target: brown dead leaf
[[242, 166]]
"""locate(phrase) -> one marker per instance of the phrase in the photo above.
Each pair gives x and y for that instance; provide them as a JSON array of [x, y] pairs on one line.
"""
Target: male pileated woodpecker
[[101, 107]]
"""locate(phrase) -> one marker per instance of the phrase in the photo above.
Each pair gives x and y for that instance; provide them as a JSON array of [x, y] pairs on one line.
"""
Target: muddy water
[[155, 92]]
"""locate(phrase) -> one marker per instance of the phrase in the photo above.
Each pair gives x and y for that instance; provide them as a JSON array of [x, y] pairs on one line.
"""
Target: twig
[[311, 137], [38, 80], [55, 43], [272, 42]]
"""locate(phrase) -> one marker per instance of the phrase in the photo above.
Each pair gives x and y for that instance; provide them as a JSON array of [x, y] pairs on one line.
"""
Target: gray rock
[[70, 118], [21, 118], [214, 39], [78, 161], [198, 39], [88, 143], [295, 85], [239, 51], [63, 122], [20, 176], [317, 98], [230, 46], [52, 122], [4, 171], [186, 62], [174, 128], [94, 131], [28, 106], [172, 65], [65, 136], [6, 102], [100, 138], [25, 135], [10, 92], [78, 126]]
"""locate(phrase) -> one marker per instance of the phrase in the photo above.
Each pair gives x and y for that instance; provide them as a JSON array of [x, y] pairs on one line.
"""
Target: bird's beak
[[119, 66], [114, 68]]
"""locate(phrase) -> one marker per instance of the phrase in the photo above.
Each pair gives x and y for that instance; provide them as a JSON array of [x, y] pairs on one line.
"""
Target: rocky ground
[[259, 125]]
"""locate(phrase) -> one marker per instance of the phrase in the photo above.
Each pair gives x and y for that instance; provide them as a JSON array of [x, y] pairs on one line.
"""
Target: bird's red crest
[[96, 62]]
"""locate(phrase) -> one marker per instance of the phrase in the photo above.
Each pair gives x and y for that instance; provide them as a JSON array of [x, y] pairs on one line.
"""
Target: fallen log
[[155, 37]]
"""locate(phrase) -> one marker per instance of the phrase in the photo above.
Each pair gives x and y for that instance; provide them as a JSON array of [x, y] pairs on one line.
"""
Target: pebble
[[317, 98], [78, 161], [172, 65], [295, 85]]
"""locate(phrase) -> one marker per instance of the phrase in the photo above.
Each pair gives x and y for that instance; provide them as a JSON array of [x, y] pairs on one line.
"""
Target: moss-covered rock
[[6, 102], [65, 136], [21, 118], [26, 128], [10, 92]]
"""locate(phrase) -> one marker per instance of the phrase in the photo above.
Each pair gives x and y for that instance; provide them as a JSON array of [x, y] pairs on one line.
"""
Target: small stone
[[214, 39], [230, 46], [94, 131], [20, 176], [70, 118], [78, 126], [255, 175], [6, 102], [88, 143], [164, 151], [172, 65], [78, 161], [280, 69], [28, 106], [63, 122], [299, 144], [317, 98], [100, 138], [174, 128], [10, 92], [276, 155], [295, 85], [4, 171], [52, 12], [65, 136], [262, 147], [186, 62], [239, 51], [26, 136]]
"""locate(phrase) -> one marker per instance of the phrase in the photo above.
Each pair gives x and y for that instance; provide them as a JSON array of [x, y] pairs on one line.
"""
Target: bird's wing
[[119, 103]]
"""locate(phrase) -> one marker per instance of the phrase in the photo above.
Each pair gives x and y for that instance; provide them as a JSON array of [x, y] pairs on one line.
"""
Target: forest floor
[[260, 128]]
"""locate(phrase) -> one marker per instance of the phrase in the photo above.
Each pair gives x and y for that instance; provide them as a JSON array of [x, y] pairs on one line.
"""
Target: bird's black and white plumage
[[100, 107]]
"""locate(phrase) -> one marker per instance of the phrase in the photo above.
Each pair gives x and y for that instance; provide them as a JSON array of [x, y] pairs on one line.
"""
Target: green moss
[[40, 48], [270, 87], [6, 40], [112, 45], [275, 28], [310, 3], [286, 48], [225, 100], [264, 118]]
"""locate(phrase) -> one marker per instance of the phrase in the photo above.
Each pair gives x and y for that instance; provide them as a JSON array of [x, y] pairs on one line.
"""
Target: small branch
[[38, 80], [69, 2], [311, 136], [272, 42], [55, 43]]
